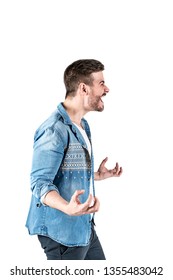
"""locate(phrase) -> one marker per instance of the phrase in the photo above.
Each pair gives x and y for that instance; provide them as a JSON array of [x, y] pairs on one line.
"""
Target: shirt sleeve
[[47, 158]]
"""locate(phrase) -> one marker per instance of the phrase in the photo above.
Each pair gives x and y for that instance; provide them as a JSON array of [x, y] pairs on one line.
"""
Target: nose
[[106, 89]]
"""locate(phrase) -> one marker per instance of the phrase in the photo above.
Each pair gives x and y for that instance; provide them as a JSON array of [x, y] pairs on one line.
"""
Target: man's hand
[[104, 173], [76, 208]]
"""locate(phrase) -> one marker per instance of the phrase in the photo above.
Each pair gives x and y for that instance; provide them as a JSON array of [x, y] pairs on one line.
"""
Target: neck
[[74, 110]]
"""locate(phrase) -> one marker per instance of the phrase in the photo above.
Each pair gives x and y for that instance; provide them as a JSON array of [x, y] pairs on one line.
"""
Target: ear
[[83, 88]]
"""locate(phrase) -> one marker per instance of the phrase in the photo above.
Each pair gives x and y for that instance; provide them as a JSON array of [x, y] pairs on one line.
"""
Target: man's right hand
[[76, 208]]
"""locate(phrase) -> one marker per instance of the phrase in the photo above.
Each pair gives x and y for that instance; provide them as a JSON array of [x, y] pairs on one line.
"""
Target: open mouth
[[104, 94]]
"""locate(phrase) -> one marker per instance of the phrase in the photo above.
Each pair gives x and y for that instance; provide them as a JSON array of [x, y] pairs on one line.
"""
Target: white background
[[134, 40]]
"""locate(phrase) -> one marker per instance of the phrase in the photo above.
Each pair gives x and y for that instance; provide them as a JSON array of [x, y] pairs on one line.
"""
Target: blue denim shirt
[[61, 162]]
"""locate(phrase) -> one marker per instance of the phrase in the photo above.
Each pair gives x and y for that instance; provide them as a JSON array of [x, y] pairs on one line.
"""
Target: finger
[[94, 208], [104, 162], [119, 171], [89, 201], [86, 205], [96, 204], [116, 166], [76, 195]]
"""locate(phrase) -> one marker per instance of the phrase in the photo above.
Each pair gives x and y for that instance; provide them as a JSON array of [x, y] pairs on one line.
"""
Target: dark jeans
[[57, 251]]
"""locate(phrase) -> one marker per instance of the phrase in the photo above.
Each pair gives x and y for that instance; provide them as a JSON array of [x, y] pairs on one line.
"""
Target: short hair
[[80, 71]]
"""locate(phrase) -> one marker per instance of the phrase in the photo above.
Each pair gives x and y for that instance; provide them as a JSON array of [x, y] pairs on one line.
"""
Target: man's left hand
[[104, 173]]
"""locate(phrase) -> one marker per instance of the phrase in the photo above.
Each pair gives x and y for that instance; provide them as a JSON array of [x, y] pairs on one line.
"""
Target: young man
[[62, 178]]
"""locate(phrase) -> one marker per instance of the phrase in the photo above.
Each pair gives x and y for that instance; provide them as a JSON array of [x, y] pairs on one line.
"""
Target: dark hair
[[80, 71]]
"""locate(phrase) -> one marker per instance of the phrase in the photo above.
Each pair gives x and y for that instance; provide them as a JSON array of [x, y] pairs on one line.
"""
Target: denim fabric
[[61, 162], [57, 251]]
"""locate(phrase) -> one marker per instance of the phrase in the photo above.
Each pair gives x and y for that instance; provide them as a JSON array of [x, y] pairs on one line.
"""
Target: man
[[62, 178]]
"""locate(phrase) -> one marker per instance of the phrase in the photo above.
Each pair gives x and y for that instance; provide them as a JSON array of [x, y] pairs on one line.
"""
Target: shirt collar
[[68, 121]]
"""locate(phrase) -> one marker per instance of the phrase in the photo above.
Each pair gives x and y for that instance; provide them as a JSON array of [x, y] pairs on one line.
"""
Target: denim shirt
[[61, 162]]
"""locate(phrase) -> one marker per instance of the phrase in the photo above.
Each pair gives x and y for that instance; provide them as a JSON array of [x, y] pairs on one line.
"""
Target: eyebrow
[[102, 82]]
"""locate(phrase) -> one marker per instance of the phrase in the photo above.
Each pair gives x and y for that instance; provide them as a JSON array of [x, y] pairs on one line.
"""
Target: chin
[[100, 109]]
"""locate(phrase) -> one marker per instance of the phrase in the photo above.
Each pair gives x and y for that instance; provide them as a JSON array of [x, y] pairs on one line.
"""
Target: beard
[[96, 104]]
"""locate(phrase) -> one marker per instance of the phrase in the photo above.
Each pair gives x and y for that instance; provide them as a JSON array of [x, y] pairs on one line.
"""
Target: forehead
[[98, 76]]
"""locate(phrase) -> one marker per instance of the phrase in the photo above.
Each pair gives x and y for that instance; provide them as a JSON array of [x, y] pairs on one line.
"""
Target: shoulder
[[52, 126]]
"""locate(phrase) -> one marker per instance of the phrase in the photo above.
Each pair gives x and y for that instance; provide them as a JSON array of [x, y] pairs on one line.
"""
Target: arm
[[74, 207], [47, 158], [104, 173]]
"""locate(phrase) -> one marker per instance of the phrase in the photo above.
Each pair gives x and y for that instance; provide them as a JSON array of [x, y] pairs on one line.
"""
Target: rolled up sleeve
[[48, 154]]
